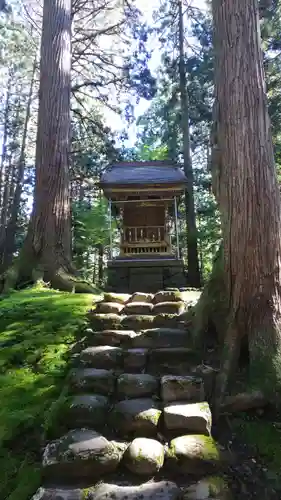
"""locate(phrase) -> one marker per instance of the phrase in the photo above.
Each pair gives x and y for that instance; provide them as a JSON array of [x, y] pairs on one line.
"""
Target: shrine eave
[[142, 174]]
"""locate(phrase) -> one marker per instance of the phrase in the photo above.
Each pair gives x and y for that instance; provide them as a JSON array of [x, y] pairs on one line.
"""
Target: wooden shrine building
[[145, 196]]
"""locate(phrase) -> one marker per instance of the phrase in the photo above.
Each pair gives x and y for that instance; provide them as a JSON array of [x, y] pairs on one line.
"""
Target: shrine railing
[[145, 234]]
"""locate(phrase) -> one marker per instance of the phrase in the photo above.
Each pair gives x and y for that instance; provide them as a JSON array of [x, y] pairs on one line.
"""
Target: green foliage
[[37, 328]]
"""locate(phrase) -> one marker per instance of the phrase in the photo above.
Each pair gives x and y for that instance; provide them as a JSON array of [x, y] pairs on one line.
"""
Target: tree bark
[[46, 252], [194, 278], [247, 192], [7, 247]]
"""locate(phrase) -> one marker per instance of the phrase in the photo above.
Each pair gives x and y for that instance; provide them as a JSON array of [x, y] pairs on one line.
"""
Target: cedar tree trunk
[[246, 188], [194, 278], [47, 249]]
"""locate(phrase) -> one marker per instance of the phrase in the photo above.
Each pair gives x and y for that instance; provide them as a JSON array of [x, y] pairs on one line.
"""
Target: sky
[[115, 122]]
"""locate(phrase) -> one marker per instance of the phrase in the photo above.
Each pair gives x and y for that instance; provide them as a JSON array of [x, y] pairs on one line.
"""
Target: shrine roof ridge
[[143, 172]]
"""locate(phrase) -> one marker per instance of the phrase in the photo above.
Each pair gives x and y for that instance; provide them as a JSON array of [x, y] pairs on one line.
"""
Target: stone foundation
[[126, 275]]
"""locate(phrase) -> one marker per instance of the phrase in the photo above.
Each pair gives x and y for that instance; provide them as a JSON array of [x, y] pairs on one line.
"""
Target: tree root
[[243, 401], [211, 311], [60, 280], [67, 282]]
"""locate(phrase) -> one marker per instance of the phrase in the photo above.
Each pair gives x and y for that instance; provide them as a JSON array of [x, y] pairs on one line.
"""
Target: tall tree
[[46, 251], [194, 278], [247, 191]]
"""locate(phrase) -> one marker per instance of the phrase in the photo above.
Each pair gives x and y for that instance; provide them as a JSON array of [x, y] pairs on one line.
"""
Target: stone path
[[137, 422]]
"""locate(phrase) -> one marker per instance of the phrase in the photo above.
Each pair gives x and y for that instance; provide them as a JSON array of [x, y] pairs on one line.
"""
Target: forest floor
[[38, 326]]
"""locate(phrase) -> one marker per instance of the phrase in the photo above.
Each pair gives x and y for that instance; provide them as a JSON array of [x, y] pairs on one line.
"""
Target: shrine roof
[[142, 172]]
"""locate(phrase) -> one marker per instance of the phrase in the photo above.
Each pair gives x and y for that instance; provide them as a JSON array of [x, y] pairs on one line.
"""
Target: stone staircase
[[137, 422]]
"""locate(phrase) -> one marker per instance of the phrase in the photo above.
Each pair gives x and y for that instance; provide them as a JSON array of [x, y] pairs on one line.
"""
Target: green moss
[[137, 322], [205, 448], [115, 297], [37, 329], [217, 486], [204, 407], [109, 321], [210, 449], [152, 415], [264, 437]]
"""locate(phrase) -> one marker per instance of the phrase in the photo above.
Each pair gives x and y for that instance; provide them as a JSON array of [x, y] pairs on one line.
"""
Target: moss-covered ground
[[37, 328], [263, 435]]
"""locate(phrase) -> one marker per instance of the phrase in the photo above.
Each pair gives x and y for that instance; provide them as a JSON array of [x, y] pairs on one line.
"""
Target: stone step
[[157, 490], [93, 380], [81, 454], [182, 388], [161, 337], [209, 488], [169, 388], [135, 322], [139, 416], [84, 454], [95, 411], [155, 361], [183, 417], [137, 385], [135, 360], [150, 338], [86, 410], [105, 357], [174, 360]]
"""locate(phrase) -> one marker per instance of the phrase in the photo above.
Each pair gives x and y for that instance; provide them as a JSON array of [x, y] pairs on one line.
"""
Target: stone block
[[105, 357], [167, 296], [144, 456], [80, 454], [101, 322], [112, 337], [109, 307], [156, 490], [169, 308], [154, 338], [140, 297], [194, 454], [116, 297], [138, 416], [135, 385], [135, 360], [91, 379], [138, 308], [137, 322], [213, 487], [166, 320], [87, 410], [182, 388], [191, 417]]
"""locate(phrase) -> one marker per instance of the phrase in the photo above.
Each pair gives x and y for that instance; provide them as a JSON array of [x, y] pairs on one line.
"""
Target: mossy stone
[[109, 308], [99, 381], [167, 296], [136, 416], [138, 308], [80, 454], [108, 321], [160, 490], [121, 298], [213, 487], [144, 456], [194, 454], [89, 410], [194, 417], [169, 307], [105, 357], [130, 385], [137, 322]]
